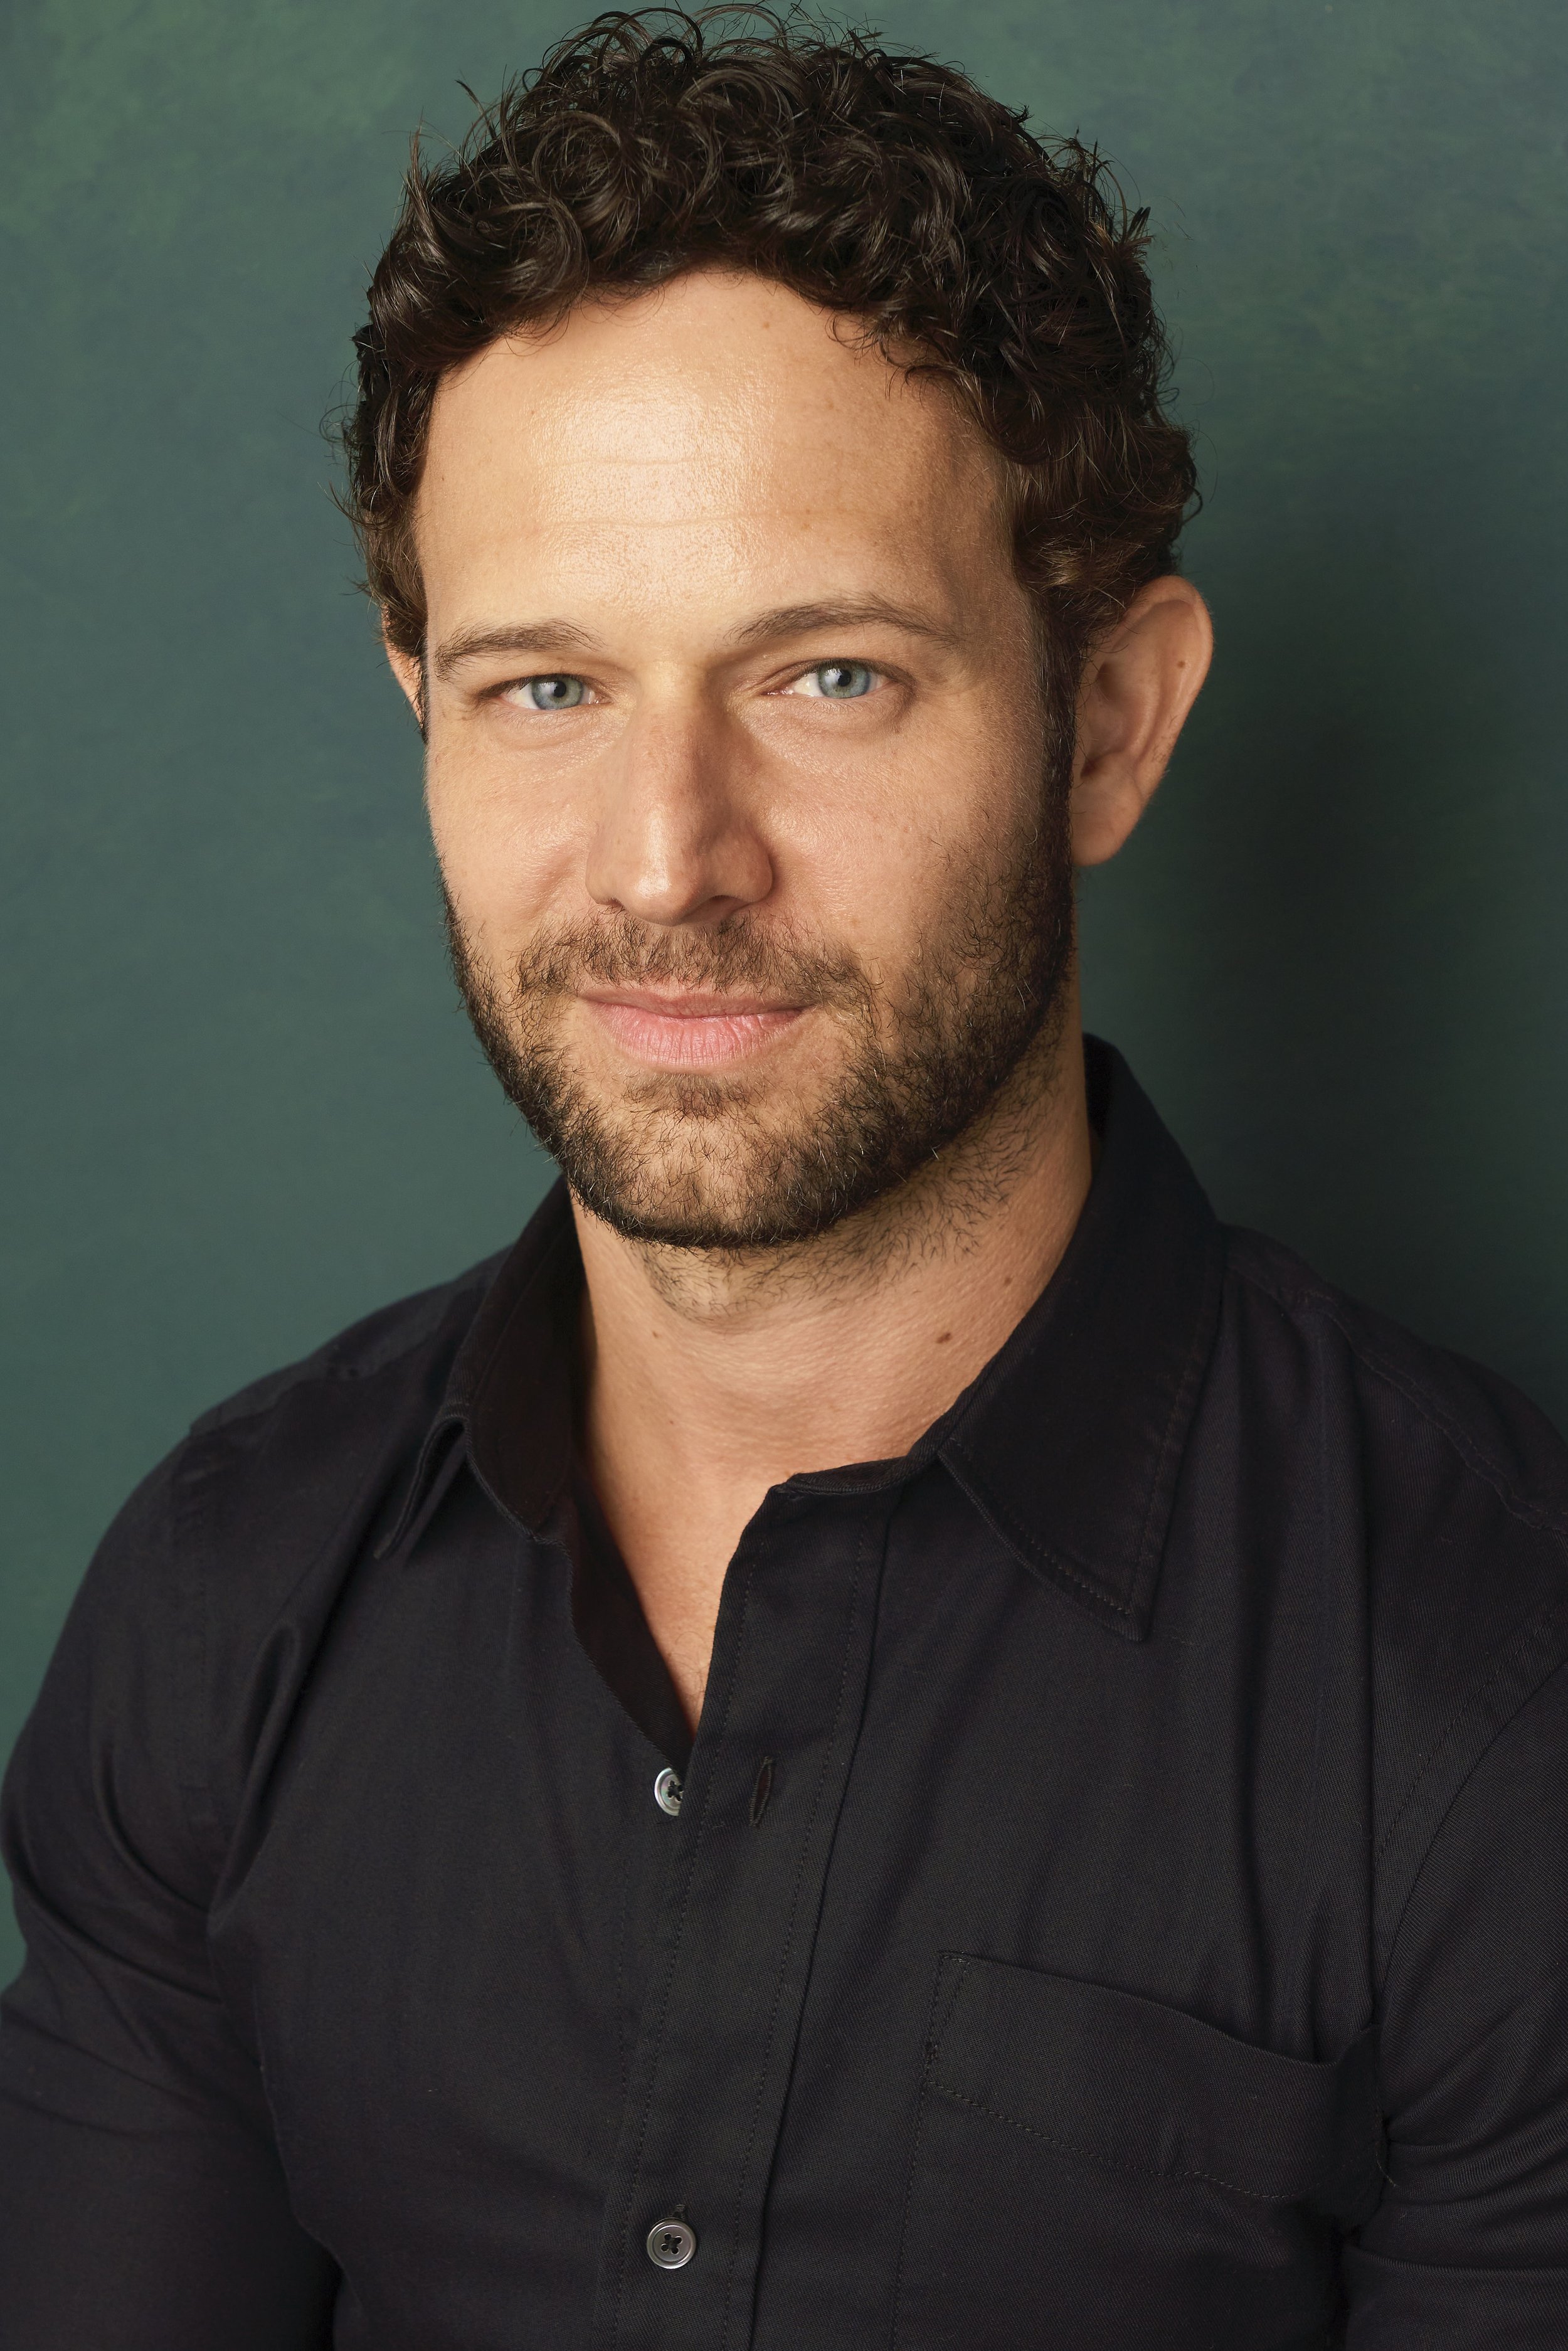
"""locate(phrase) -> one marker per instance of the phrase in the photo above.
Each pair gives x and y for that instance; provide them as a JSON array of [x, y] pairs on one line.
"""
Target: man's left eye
[[556, 693], [836, 682]]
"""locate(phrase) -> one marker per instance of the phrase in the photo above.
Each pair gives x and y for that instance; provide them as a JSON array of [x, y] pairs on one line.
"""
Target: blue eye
[[844, 681], [552, 692]]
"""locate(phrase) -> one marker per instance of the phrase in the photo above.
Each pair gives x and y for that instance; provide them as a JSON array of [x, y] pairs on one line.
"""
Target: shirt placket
[[750, 1846]]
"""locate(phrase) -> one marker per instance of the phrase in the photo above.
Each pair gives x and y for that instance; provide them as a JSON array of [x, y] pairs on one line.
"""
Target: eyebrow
[[529, 637], [548, 638], [866, 611]]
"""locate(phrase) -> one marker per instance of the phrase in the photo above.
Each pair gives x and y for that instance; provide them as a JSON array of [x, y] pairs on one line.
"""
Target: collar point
[[1130, 1618]]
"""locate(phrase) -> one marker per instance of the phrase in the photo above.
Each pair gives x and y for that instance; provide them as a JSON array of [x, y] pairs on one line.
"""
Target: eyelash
[[569, 677]]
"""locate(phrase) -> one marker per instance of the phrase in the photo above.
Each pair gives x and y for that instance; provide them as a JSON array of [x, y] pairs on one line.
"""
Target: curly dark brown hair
[[876, 184]]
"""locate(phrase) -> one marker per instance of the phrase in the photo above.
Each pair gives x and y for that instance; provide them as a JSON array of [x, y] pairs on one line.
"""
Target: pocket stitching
[[1092, 2154]]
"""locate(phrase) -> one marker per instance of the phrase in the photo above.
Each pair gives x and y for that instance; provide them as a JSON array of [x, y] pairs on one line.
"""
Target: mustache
[[736, 957]]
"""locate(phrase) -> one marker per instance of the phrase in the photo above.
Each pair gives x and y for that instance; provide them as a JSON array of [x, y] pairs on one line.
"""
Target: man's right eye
[[548, 692]]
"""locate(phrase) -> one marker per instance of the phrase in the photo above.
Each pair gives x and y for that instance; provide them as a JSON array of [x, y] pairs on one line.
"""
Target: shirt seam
[[868, 1537], [1549, 1979], [1451, 1729], [1530, 1514], [198, 1468], [1184, 1404], [208, 1842], [944, 1995], [1499, 1730], [1506, 1659]]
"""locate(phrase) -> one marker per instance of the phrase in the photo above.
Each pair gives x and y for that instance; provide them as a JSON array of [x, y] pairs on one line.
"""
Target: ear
[[409, 672], [1141, 679]]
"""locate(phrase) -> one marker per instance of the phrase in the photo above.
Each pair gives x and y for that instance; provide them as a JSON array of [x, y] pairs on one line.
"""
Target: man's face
[[751, 819]]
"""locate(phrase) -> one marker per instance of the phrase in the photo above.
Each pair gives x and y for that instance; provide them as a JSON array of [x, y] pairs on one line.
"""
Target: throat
[[709, 1378]]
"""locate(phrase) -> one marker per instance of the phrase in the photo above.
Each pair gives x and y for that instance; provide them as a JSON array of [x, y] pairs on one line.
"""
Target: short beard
[[695, 1162]]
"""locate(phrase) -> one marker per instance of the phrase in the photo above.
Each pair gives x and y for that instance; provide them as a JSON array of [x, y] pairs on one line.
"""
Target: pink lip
[[689, 1032]]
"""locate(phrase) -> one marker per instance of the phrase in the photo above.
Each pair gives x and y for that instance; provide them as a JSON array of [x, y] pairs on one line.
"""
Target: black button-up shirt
[[1117, 1895]]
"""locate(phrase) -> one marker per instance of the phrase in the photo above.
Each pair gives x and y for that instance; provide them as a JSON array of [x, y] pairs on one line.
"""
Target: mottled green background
[[240, 1105]]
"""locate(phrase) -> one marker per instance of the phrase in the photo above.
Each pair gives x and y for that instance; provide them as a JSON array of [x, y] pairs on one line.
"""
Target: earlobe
[[1106, 806], [1141, 681]]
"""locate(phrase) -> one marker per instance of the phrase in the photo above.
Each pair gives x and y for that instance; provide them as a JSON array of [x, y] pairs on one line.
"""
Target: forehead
[[721, 426]]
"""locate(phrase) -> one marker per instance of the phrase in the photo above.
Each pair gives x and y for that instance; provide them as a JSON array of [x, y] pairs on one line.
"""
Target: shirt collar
[[1069, 1442], [1071, 1439]]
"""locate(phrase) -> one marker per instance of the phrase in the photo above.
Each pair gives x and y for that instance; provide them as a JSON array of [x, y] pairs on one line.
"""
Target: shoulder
[[318, 1427], [1451, 1489], [1460, 1483], [421, 1331], [273, 1491], [207, 1597], [308, 1458], [1429, 1498], [1412, 1397]]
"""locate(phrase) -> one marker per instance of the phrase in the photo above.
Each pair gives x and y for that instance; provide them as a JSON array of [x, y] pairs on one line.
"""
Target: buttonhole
[[762, 1791]]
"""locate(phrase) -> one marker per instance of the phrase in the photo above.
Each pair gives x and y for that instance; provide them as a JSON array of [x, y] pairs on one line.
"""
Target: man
[[883, 1735]]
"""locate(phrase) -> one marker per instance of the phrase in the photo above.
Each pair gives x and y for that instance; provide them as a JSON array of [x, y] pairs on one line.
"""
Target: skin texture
[[690, 502]]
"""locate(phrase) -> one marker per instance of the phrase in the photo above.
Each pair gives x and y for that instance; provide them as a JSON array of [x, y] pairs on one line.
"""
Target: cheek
[[507, 858], [887, 864]]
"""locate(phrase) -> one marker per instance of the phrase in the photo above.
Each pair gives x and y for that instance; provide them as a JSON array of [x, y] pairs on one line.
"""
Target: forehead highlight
[[717, 391]]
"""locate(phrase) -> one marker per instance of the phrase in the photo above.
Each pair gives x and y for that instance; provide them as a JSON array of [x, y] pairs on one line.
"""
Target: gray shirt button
[[667, 1792], [670, 2244]]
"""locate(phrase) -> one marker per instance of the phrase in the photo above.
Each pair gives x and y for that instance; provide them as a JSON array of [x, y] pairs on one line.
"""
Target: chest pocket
[[1093, 2171]]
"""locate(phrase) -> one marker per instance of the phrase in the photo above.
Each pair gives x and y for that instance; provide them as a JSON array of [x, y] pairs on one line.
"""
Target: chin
[[722, 1188]]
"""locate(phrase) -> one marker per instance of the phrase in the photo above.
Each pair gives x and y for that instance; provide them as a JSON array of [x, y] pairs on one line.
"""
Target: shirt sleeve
[[1468, 2250], [143, 2204]]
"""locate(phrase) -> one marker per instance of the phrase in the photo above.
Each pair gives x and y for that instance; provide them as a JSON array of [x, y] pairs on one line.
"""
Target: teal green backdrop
[[241, 1106]]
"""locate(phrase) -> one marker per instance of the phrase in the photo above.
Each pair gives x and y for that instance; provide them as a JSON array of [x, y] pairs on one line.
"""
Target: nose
[[677, 839]]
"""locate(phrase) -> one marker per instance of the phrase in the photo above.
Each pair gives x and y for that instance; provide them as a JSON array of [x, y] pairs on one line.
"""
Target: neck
[[713, 1377]]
